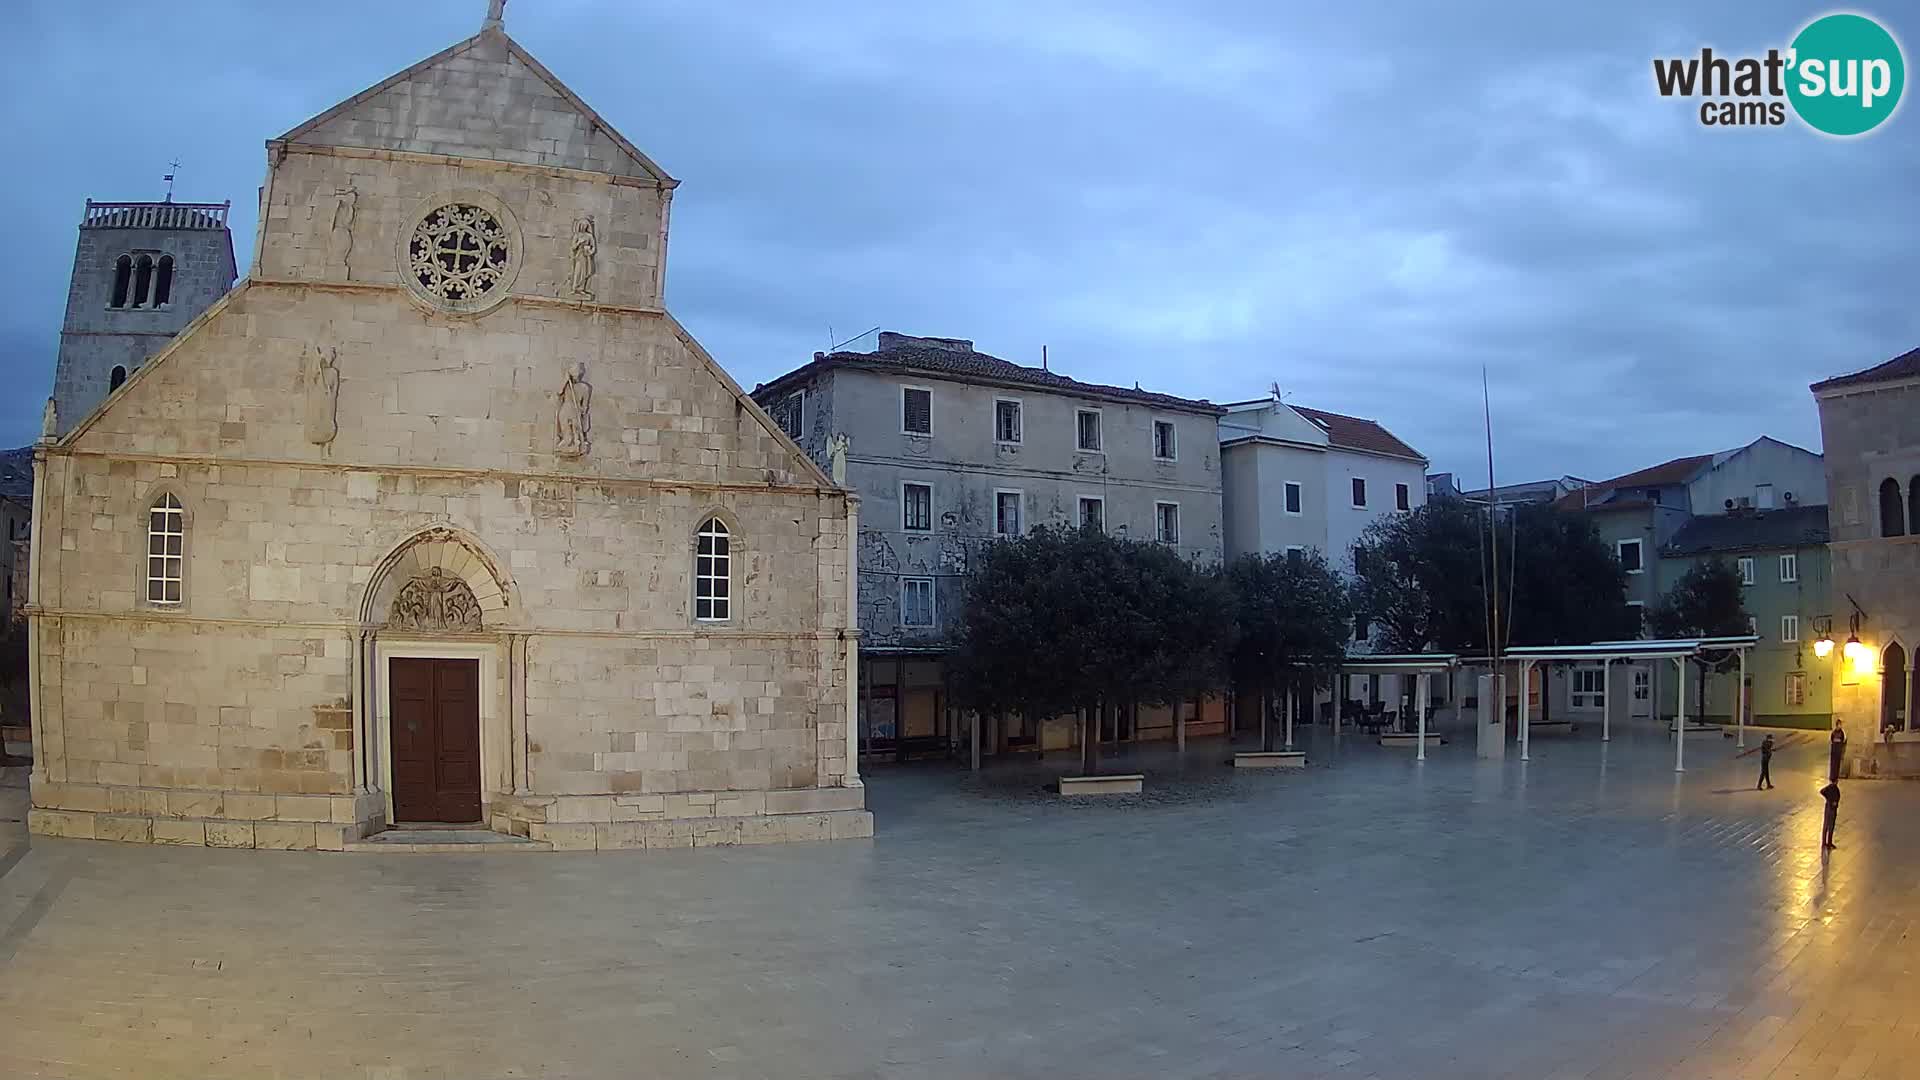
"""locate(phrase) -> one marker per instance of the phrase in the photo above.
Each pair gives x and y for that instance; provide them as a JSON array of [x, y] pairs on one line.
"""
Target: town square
[[1589, 914], [1016, 542]]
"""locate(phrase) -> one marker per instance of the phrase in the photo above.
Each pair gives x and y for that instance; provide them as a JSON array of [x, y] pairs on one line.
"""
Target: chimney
[[890, 341]]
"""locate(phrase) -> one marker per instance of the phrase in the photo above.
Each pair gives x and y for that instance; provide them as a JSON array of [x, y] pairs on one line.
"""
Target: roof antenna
[[172, 167], [1043, 359], [1274, 388]]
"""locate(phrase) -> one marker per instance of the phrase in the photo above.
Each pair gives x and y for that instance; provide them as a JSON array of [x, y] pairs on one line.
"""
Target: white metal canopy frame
[[1678, 650], [1422, 665]]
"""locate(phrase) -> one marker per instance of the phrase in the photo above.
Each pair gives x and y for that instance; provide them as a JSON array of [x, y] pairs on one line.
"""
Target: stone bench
[[1403, 738], [1113, 784], [1271, 759]]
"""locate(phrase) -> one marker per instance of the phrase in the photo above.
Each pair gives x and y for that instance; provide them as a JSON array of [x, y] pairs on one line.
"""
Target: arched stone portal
[[439, 662], [448, 554]]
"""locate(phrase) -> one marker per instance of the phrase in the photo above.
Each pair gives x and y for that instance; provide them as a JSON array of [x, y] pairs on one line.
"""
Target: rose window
[[459, 253]]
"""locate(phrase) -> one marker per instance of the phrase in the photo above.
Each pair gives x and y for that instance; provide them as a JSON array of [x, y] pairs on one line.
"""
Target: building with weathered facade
[[440, 516], [1296, 478], [1651, 519], [1870, 424], [1781, 557], [950, 448]]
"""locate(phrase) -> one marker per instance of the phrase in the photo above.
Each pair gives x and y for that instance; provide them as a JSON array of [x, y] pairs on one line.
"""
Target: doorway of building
[[435, 739]]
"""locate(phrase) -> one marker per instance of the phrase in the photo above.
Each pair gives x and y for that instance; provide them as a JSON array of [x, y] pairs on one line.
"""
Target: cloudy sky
[[1364, 202]]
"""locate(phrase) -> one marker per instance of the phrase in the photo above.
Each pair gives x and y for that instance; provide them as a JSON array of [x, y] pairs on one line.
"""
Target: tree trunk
[[1701, 697], [1266, 721], [1090, 740]]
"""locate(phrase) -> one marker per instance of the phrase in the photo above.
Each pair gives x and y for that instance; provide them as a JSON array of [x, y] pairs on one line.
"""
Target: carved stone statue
[[584, 246], [435, 601], [340, 232], [838, 444], [323, 395], [49, 422], [571, 423]]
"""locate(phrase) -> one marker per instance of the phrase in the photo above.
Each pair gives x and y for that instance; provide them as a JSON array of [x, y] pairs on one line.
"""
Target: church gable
[[272, 374], [486, 98]]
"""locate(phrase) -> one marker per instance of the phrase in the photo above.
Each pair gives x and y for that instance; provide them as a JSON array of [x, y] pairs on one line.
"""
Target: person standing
[[1836, 749], [1766, 764], [1831, 793]]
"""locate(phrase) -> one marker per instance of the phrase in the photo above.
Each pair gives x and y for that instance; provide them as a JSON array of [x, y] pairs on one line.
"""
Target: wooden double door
[[435, 739]]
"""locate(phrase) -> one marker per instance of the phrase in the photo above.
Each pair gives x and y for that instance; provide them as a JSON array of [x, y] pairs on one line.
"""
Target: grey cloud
[[1365, 202]]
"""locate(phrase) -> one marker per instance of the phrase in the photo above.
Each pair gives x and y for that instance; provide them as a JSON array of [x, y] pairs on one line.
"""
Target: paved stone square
[[1587, 914]]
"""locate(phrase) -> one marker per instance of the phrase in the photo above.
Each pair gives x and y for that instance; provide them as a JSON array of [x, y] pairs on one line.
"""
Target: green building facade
[[1781, 555]]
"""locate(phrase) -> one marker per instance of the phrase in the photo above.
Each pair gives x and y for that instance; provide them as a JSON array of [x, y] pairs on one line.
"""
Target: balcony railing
[[155, 215]]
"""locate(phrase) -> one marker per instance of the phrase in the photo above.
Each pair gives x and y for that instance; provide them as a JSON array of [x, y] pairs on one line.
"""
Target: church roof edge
[[296, 134]]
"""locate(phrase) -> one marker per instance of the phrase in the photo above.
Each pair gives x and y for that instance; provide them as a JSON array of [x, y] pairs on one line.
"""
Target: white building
[[1298, 478]]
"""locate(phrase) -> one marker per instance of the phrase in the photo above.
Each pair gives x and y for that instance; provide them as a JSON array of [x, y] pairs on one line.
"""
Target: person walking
[[1836, 749], [1766, 764], [1831, 793]]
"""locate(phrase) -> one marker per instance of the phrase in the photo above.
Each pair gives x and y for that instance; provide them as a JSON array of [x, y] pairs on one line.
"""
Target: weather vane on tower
[[172, 168]]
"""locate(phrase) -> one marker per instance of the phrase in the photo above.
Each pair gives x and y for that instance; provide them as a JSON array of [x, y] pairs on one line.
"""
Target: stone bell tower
[[141, 272]]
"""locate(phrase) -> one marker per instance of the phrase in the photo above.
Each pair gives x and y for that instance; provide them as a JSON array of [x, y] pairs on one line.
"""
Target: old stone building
[[951, 449], [440, 516], [141, 272], [1870, 425]]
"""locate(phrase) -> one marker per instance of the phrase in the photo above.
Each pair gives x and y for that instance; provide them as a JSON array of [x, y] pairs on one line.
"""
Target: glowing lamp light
[[1823, 648], [1859, 655]]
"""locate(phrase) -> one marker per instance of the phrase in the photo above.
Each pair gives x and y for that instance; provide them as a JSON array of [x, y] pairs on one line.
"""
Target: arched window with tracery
[[712, 572], [166, 550], [122, 281], [1891, 516]]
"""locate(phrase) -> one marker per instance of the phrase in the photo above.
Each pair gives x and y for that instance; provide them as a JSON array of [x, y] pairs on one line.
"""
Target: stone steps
[[475, 841]]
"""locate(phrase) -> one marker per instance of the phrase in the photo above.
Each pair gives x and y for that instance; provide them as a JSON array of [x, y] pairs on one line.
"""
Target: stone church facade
[[441, 516]]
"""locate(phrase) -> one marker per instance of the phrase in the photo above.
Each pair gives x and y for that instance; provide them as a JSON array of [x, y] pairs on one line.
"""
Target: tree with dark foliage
[[1291, 617], [1068, 619], [1707, 601], [1422, 578]]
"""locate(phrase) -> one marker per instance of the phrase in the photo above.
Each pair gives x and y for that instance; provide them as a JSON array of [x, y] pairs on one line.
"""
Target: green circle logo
[[1846, 74]]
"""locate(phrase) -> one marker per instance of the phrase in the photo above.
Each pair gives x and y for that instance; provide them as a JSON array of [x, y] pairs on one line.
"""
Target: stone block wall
[[393, 193]]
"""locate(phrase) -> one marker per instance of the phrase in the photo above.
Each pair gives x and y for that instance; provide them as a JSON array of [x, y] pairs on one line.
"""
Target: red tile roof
[[1678, 471], [1357, 433], [1904, 366]]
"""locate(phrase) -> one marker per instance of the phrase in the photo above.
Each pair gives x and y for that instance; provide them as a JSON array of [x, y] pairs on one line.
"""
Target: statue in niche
[[49, 422], [584, 246], [340, 231], [323, 395], [571, 423], [838, 444], [435, 601]]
